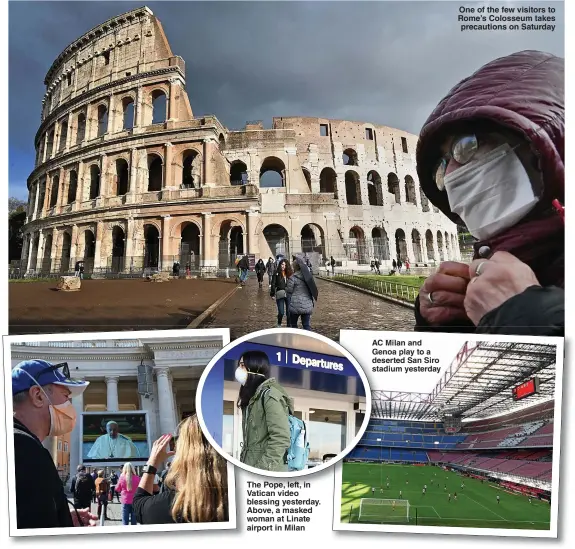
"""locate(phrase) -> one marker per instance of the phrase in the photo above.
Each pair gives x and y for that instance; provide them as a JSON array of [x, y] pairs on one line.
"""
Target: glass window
[[330, 383], [228, 427], [291, 377], [230, 369], [359, 389], [326, 432]]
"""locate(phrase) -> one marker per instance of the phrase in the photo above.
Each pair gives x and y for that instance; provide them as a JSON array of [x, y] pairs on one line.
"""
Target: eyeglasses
[[462, 150], [54, 367]]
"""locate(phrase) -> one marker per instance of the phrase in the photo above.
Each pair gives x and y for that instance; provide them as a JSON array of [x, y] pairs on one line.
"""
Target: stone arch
[[177, 228], [88, 242], [349, 157], [328, 181], [118, 249], [190, 241], [312, 239], [357, 249], [230, 243], [128, 112], [374, 188], [47, 254], [50, 144], [121, 180], [270, 166], [65, 252], [424, 200], [63, 135], [410, 196], [72, 186], [238, 173], [380, 243], [222, 142], [54, 191], [429, 245], [34, 251], [80, 128], [393, 186], [400, 245], [102, 114], [307, 176], [155, 172], [440, 246], [94, 181], [159, 103], [417, 249], [352, 188], [191, 169], [151, 246], [277, 239]]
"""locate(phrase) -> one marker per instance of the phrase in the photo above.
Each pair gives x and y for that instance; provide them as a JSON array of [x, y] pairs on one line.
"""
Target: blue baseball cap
[[44, 373]]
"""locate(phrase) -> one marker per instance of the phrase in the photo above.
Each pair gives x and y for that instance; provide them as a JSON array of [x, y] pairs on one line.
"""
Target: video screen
[[114, 436]]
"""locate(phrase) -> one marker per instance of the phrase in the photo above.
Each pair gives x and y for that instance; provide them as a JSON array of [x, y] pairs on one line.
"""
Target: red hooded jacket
[[522, 92]]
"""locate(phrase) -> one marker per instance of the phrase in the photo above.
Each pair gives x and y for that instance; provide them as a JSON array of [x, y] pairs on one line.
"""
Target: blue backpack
[[298, 450]]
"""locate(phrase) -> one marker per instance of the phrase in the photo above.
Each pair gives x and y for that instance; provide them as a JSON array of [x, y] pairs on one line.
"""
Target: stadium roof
[[477, 384]]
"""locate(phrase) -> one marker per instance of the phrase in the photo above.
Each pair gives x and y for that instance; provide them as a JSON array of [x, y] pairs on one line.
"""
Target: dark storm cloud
[[382, 62]]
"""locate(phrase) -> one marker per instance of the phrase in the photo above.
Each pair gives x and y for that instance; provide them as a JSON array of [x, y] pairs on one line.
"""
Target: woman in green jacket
[[265, 409]]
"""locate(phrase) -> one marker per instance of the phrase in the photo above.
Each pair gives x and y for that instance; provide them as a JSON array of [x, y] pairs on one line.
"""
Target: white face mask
[[492, 193], [241, 375]]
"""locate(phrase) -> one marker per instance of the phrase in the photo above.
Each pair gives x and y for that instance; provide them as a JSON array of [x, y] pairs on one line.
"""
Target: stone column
[[62, 187], [35, 212], [112, 401], [44, 147], [172, 106], [168, 168], [207, 259], [31, 244], [165, 401], [165, 252], [132, 191], [252, 244], [54, 251], [70, 132], [208, 168], [139, 108], [75, 441], [97, 249], [40, 251], [111, 114], [104, 176], [74, 246], [80, 193], [56, 144], [129, 252]]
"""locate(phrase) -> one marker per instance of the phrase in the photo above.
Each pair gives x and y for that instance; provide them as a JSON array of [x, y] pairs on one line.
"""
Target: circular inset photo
[[283, 402]]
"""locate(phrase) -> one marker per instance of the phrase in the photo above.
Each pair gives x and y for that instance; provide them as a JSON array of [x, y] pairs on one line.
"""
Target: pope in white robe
[[113, 445]]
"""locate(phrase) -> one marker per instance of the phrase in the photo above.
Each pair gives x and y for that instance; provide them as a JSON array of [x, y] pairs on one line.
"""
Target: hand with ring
[[442, 294], [494, 281]]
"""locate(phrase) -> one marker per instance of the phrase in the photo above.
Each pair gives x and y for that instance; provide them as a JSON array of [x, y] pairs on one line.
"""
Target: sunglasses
[[63, 365]]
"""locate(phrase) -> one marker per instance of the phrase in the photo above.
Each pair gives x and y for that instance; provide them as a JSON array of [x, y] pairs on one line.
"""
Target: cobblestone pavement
[[338, 307]]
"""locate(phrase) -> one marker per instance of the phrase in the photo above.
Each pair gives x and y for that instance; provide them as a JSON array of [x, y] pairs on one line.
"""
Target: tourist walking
[[127, 486], [399, 265], [102, 490], [270, 268], [113, 483], [278, 290], [260, 271], [265, 407], [82, 488], [394, 265], [377, 266], [407, 266], [332, 263], [195, 489], [244, 267], [302, 293]]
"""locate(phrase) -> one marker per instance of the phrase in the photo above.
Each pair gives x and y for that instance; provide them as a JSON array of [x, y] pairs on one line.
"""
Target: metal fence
[[397, 290]]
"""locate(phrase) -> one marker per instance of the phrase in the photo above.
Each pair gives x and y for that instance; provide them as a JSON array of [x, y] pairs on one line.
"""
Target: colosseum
[[126, 178]]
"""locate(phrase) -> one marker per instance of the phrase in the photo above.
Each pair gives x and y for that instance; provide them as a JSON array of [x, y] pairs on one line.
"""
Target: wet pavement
[[251, 309]]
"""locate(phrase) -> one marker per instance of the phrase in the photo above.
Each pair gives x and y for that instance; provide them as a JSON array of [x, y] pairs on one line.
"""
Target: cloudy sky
[[382, 62]]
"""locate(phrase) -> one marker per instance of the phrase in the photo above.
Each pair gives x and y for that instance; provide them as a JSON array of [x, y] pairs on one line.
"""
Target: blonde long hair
[[198, 475], [128, 471]]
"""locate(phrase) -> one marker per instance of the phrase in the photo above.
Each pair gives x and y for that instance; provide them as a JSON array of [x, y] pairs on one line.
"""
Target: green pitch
[[476, 505]]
